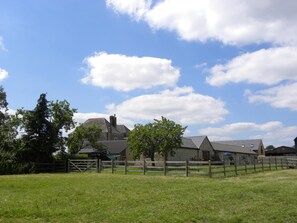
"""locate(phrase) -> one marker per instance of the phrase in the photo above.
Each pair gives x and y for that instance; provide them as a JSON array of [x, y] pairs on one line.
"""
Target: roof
[[197, 140], [282, 150], [231, 148], [111, 146], [253, 144], [188, 143], [105, 125], [122, 129]]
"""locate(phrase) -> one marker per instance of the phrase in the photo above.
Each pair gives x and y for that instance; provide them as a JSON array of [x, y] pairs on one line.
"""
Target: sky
[[225, 69]]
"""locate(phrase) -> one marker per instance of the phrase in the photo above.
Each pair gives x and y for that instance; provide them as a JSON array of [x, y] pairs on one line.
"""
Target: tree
[[10, 146], [162, 136], [44, 127], [270, 147], [84, 136]]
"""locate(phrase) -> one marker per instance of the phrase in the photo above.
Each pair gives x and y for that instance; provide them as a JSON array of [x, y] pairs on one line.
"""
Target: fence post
[[125, 166], [144, 170], [269, 163], [275, 163], [224, 166], [262, 164], [112, 166], [97, 165], [282, 163], [255, 170], [68, 165], [100, 166], [235, 166], [187, 168], [164, 167], [209, 168], [245, 167]]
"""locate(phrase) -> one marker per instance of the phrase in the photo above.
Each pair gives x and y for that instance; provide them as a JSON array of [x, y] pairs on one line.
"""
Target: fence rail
[[183, 168]]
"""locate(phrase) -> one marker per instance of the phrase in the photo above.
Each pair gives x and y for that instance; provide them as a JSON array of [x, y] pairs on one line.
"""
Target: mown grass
[[91, 197]]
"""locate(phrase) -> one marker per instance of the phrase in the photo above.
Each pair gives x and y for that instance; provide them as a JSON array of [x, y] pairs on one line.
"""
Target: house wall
[[204, 148], [184, 154], [240, 159]]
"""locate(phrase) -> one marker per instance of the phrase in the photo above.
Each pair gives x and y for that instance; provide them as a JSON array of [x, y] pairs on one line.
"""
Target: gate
[[80, 165]]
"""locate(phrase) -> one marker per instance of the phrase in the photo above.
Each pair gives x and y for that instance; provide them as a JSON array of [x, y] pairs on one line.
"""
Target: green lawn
[[90, 197]]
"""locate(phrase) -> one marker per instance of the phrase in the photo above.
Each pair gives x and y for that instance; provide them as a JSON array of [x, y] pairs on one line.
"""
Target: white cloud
[[181, 105], [273, 132], [233, 22], [3, 74], [135, 8], [238, 127], [266, 66], [282, 96], [125, 73]]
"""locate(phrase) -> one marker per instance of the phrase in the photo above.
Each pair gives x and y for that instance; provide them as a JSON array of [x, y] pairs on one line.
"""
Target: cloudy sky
[[226, 69]]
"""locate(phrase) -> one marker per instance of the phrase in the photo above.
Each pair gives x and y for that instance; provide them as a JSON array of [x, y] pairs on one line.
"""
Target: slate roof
[[282, 150], [105, 125], [111, 146], [102, 122], [219, 147], [188, 143], [197, 140], [253, 144]]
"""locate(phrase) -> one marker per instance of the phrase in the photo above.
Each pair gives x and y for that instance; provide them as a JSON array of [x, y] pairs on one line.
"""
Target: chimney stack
[[113, 120]]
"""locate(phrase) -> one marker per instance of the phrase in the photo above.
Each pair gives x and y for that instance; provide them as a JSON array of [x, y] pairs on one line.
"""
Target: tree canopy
[[162, 136], [84, 136], [10, 161], [44, 128]]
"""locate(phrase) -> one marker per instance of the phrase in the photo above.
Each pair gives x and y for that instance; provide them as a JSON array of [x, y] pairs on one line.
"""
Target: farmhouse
[[114, 140], [110, 130]]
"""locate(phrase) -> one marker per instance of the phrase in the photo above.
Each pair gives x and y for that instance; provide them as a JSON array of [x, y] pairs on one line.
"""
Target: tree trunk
[[152, 156]]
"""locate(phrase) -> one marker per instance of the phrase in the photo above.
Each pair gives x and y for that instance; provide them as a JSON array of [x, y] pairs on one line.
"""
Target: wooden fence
[[183, 168], [54, 167]]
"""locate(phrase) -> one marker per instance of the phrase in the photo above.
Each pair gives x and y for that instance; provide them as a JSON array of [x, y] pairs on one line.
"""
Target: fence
[[183, 168], [54, 167]]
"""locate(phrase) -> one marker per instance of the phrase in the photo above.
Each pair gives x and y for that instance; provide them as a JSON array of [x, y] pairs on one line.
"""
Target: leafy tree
[[162, 136], [44, 128], [85, 136], [10, 146], [270, 147]]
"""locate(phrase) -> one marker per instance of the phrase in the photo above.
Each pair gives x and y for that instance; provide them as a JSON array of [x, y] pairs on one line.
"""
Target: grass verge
[[91, 197]]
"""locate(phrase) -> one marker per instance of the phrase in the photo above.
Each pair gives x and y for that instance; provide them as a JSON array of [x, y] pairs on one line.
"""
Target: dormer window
[[252, 145], [242, 146]]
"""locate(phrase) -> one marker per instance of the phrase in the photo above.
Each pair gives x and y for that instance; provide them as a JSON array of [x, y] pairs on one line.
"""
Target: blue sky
[[226, 69]]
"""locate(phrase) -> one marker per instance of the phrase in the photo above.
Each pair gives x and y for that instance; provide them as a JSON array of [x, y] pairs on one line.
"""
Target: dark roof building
[[282, 151], [249, 145], [110, 130]]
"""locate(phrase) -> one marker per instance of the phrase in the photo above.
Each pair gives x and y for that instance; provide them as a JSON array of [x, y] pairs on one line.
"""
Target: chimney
[[113, 121]]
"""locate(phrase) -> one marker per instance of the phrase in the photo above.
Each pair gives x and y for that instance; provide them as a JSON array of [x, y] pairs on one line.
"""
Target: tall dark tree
[[43, 128], [162, 137]]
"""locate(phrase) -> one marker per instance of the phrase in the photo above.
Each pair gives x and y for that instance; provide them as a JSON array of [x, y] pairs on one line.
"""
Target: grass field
[[90, 197]]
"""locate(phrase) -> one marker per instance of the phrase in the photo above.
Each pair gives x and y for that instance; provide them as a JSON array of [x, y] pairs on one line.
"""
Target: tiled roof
[[197, 140], [253, 144], [111, 146], [219, 147]]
